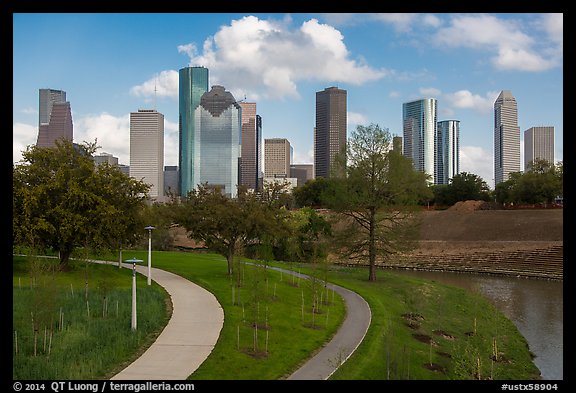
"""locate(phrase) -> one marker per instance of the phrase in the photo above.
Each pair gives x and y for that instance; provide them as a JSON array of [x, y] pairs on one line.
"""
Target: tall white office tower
[[538, 145], [147, 150], [419, 124]]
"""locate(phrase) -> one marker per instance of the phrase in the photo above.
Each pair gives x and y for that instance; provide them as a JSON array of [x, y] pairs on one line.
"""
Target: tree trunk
[[65, 253], [372, 246]]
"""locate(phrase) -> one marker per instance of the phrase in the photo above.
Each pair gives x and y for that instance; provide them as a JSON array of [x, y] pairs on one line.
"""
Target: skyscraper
[[506, 137], [147, 150], [538, 144], [193, 83], [217, 140], [447, 151], [277, 154], [251, 160], [330, 131], [419, 123], [55, 118]]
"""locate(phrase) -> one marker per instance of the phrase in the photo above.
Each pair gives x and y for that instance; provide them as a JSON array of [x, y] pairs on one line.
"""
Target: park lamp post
[[134, 261], [149, 229]]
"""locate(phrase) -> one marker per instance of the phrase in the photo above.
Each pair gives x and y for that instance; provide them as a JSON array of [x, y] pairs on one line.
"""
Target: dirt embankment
[[464, 230]]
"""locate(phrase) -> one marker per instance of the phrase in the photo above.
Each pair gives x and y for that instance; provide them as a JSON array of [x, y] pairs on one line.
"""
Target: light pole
[[149, 228], [134, 261]]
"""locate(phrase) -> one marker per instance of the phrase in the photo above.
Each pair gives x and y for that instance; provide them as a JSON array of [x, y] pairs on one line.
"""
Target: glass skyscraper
[[419, 120], [217, 141], [506, 137], [193, 83], [447, 151]]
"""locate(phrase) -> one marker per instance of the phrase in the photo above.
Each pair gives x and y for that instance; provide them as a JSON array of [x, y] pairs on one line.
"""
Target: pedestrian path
[[189, 336], [345, 341]]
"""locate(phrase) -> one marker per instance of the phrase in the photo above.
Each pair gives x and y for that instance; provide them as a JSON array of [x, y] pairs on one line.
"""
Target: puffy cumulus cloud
[[258, 57], [164, 84], [514, 49], [112, 134], [476, 160], [467, 100], [23, 135], [304, 158]]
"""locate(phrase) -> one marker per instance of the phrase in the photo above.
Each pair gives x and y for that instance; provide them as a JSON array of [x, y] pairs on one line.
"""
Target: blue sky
[[111, 64]]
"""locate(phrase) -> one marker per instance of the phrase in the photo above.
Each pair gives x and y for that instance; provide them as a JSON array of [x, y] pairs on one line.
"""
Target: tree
[[310, 194], [227, 225], [462, 187], [376, 198], [62, 200]]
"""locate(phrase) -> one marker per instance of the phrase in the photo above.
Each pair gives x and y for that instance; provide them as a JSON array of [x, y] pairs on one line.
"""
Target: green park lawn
[[419, 330]]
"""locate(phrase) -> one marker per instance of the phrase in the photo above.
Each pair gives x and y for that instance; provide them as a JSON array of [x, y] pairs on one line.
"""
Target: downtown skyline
[[113, 64]]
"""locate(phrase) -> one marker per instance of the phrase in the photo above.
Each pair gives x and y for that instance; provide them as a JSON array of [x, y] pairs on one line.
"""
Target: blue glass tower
[[419, 122], [217, 141], [447, 151], [193, 82]]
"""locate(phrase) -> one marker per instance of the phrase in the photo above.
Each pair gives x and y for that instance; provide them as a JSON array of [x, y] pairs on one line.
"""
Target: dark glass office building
[[330, 131]]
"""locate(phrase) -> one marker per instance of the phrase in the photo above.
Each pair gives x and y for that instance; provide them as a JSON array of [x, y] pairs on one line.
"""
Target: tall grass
[[77, 324]]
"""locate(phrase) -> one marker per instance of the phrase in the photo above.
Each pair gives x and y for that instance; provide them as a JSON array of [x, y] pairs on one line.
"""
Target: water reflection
[[534, 306]]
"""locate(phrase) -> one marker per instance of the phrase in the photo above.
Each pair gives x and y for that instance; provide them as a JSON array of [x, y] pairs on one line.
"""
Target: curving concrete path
[[189, 336], [197, 319], [345, 341]]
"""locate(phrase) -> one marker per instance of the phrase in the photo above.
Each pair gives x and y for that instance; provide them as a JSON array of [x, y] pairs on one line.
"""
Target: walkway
[[345, 341], [189, 337]]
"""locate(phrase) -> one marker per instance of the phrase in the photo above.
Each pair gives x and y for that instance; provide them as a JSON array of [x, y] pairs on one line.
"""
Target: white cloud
[[189, 49], [514, 49], [171, 138], [467, 100], [394, 94], [401, 22], [23, 135], [306, 158], [476, 160], [355, 119], [164, 84], [265, 58], [430, 91], [111, 133]]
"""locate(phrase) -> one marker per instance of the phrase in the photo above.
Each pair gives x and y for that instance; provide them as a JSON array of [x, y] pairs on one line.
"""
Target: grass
[[284, 338], [82, 332], [426, 330], [420, 329]]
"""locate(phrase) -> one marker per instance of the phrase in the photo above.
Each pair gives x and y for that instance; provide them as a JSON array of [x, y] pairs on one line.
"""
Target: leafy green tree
[[62, 200], [310, 194], [227, 225], [462, 187], [376, 199]]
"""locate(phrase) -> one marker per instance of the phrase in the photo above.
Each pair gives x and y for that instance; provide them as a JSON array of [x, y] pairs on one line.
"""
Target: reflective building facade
[[193, 83], [447, 151], [217, 141], [419, 119], [506, 137]]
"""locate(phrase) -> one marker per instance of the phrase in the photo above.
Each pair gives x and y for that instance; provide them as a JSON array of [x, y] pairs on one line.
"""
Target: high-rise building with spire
[[506, 137]]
